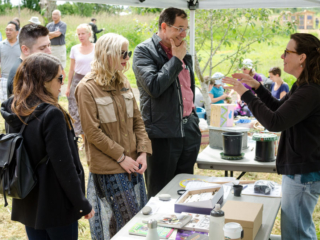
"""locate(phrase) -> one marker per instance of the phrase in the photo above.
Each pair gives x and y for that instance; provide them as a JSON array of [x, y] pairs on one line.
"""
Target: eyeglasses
[[125, 54], [60, 78], [180, 29], [288, 51]]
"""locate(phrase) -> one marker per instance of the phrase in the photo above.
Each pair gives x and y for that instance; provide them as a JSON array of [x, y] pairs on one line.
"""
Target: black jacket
[[160, 94], [95, 31], [297, 116], [59, 196]]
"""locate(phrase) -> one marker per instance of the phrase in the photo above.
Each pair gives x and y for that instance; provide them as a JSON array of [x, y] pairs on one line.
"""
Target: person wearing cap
[[247, 68], [216, 93], [35, 20]]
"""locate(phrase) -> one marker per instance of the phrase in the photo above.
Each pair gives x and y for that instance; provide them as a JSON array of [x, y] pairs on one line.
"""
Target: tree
[[31, 4], [47, 7], [236, 28]]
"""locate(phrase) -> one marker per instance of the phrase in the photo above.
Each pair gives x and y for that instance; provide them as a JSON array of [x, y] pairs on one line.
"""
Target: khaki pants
[[60, 52]]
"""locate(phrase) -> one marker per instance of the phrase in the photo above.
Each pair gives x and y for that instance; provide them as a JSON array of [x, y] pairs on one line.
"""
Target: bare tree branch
[[216, 49], [229, 56]]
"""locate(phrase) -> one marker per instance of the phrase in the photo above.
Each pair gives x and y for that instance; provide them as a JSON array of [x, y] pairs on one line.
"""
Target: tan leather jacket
[[112, 125]]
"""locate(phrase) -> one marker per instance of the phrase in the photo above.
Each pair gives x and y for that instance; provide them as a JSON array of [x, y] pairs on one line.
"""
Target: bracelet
[[123, 157]]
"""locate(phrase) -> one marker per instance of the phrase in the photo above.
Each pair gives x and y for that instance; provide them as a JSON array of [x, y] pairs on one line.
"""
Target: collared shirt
[[62, 27], [8, 55], [185, 84]]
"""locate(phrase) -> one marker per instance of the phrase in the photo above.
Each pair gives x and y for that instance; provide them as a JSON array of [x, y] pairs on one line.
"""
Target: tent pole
[[192, 34]]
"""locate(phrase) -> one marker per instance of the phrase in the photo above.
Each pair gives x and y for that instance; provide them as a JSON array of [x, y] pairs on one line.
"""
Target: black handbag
[[17, 176]]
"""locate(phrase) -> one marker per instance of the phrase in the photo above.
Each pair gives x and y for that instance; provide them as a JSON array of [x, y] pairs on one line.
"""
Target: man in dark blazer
[[95, 29], [165, 79]]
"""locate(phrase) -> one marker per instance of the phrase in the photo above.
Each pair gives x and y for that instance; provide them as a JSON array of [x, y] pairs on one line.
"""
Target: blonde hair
[[107, 56], [88, 29]]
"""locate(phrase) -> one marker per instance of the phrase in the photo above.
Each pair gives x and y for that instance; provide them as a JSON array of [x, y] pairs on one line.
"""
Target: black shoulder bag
[[17, 176]]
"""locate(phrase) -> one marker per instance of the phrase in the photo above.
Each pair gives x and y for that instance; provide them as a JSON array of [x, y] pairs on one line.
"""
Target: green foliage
[[144, 10], [236, 30], [31, 4], [4, 6], [87, 9]]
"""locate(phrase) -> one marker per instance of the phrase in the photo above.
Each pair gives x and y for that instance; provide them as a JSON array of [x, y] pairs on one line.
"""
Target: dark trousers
[[172, 156], [69, 232]]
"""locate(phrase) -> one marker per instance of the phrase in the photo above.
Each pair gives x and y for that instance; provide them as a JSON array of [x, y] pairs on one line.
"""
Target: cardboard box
[[248, 214], [222, 115], [200, 207]]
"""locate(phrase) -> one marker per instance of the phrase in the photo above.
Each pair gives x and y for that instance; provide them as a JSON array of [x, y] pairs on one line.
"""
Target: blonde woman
[[81, 56], [116, 142]]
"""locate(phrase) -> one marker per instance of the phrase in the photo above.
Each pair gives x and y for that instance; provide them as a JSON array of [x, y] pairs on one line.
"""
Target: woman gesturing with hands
[[238, 86], [297, 116]]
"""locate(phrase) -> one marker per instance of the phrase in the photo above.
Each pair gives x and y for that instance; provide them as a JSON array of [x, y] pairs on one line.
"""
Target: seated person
[[279, 88], [247, 68], [216, 93]]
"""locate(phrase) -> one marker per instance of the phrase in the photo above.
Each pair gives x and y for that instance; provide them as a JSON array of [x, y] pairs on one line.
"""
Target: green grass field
[[268, 56]]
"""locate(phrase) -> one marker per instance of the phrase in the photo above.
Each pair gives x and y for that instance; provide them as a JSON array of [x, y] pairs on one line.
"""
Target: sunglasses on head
[[125, 54], [60, 78]]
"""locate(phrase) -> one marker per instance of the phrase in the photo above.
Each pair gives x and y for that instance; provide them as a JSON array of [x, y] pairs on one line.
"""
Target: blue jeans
[[69, 232], [297, 205]]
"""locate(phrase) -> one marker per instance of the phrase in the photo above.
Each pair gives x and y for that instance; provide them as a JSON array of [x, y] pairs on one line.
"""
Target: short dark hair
[[30, 33], [93, 19], [169, 15], [275, 71], [14, 23]]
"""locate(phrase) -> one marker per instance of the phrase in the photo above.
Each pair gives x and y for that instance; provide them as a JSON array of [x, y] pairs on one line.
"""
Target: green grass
[[267, 56]]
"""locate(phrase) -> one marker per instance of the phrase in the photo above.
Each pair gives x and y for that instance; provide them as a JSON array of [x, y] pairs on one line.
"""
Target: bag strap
[[24, 125]]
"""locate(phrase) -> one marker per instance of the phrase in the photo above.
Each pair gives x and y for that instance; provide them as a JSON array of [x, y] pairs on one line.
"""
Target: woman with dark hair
[[279, 88], [52, 209], [116, 141], [297, 115]]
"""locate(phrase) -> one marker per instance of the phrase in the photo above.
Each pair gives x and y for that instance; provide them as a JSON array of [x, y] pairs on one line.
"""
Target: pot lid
[[264, 137]]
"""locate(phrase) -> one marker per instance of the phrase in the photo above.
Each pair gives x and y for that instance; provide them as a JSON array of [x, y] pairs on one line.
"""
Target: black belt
[[185, 119]]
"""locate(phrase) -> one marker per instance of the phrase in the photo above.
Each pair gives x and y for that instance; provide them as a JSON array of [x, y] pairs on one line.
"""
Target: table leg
[[241, 175]]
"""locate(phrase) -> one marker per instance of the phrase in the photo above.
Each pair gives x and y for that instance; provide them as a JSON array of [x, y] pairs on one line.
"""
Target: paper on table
[[276, 192], [196, 185], [159, 206], [220, 179]]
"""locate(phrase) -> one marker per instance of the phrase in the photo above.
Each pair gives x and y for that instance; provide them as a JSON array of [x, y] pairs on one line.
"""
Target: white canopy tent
[[208, 4]]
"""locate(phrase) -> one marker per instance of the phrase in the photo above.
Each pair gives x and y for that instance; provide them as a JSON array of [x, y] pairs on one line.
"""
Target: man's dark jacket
[[95, 31], [160, 93]]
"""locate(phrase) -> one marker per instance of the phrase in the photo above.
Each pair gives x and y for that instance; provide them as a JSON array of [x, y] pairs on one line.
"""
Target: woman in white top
[[81, 56]]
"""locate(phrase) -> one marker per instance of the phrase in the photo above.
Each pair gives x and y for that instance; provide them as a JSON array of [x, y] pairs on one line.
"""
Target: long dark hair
[[28, 84], [309, 45]]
